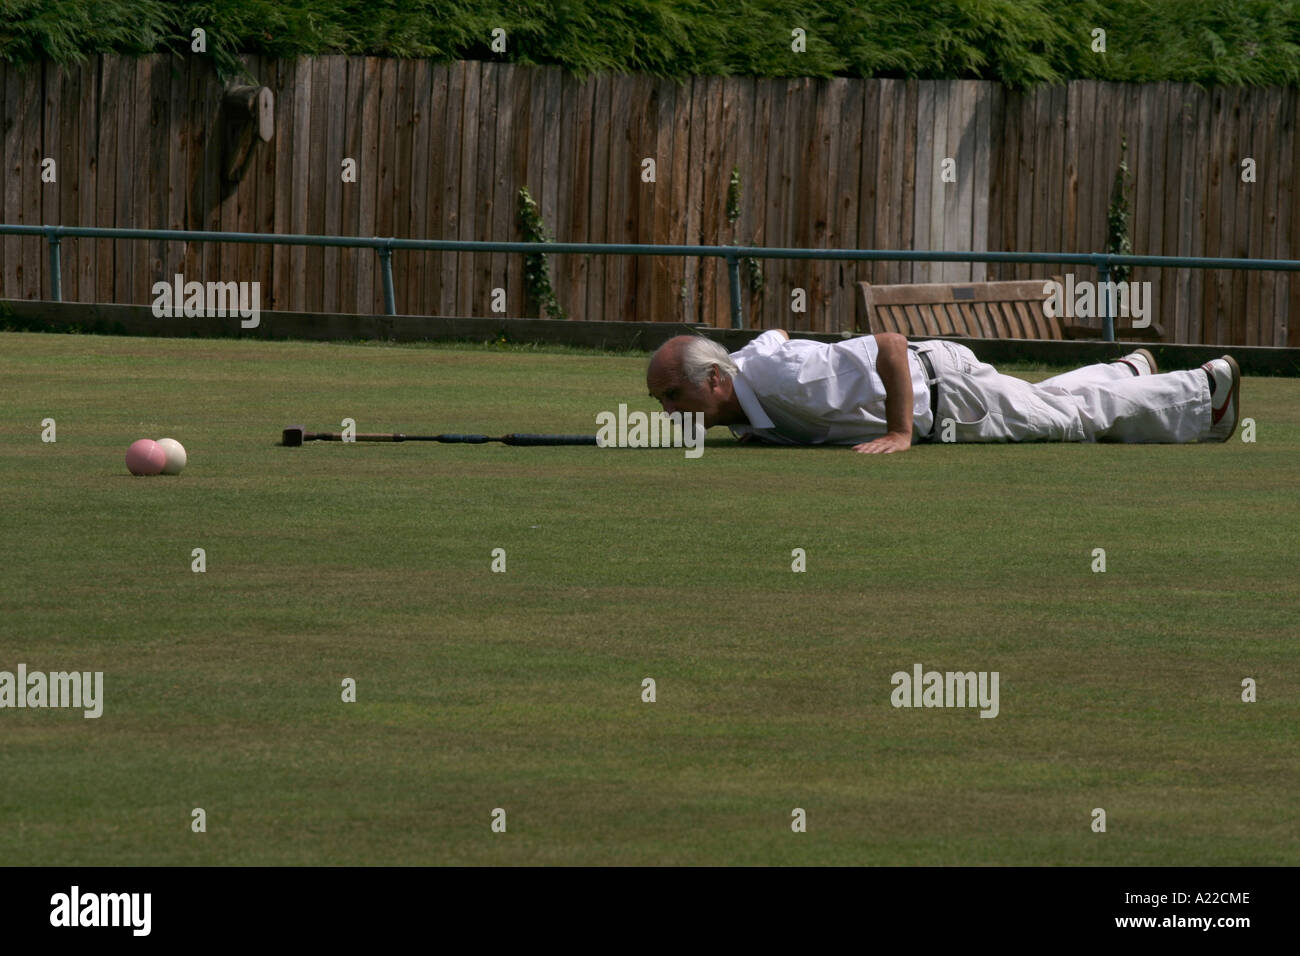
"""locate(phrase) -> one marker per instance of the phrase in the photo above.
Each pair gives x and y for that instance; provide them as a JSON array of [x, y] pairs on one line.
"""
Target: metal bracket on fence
[[52, 233], [386, 269], [733, 287]]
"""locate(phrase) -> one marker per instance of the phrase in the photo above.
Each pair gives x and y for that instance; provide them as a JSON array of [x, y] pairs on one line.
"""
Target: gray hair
[[699, 355]]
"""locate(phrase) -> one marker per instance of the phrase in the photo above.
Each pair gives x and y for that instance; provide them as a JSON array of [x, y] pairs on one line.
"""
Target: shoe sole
[[1236, 395], [1150, 360]]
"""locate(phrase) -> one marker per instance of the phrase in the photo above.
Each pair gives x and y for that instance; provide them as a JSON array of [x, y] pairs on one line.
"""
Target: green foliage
[[1118, 241], [537, 273], [733, 196], [1019, 42], [753, 268]]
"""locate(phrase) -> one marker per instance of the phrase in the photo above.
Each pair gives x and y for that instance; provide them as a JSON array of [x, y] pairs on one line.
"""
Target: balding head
[[690, 373]]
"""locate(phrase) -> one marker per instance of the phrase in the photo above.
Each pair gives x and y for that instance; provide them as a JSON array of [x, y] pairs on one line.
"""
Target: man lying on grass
[[879, 394]]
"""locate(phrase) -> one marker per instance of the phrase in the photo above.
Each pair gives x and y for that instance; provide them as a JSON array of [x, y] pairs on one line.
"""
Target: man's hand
[[892, 442]]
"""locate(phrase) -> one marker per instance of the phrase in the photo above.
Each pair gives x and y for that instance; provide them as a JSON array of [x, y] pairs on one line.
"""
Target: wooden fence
[[442, 150]]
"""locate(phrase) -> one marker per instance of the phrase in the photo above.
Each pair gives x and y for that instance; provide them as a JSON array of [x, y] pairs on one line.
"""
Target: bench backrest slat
[[1006, 309], [1011, 309]]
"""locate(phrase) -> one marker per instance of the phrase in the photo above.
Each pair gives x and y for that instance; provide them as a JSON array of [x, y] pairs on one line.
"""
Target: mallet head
[[292, 436]]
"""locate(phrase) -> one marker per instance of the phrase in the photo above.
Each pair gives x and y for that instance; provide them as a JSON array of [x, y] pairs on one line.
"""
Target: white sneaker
[[1225, 404], [1141, 362]]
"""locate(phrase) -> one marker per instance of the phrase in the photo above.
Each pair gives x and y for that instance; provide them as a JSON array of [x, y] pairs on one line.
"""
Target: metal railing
[[731, 254]]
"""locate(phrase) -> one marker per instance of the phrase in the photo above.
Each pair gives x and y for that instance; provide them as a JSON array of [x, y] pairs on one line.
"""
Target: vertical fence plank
[[1218, 212], [662, 268], [11, 186], [869, 196], [805, 172], [639, 210], [845, 197], [904, 159], [54, 127], [265, 167], [773, 199], [734, 152], [1005, 196], [285, 101], [1247, 222], [315, 139], [417, 187], [485, 131], [931, 144], [1262, 146], [1076, 106], [125, 172], [1050, 153], [981, 98], [502, 202], [598, 207], [349, 106], [1156, 145], [230, 196], [681, 222], [1086, 190], [997, 193], [367, 184], [433, 139], [1178, 209], [957, 195], [449, 262], [1025, 130], [1202, 163], [702, 219], [327, 154], [753, 180], [179, 145], [1292, 326], [87, 166], [534, 174], [1235, 211], [30, 130], [550, 152], [886, 214], [641, 298], [249, 195], [298, 192], [1284, 246], [826, 131], [619, 180], [159, 167], [467, 303], [576, 268], [565, 160], [962, 123]]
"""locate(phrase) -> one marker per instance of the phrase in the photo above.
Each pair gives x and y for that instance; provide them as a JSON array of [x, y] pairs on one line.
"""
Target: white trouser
[[1104, 402]]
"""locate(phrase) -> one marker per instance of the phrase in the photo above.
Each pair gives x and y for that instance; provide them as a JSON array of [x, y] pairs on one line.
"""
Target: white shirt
[[801, 392]]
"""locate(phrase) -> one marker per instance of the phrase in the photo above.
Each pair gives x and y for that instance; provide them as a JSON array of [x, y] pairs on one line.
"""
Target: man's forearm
[[894, 370]]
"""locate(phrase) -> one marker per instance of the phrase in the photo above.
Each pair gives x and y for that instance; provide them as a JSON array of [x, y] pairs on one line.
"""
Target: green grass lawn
[[478, 690]]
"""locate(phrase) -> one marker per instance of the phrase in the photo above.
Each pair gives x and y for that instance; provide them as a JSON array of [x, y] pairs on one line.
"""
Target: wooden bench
[[981, 310]]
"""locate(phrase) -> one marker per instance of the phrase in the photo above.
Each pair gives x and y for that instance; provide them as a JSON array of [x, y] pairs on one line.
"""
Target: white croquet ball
[[175, 453]]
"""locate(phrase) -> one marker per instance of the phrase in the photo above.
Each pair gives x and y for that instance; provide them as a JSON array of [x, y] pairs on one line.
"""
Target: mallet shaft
[[296, 435]]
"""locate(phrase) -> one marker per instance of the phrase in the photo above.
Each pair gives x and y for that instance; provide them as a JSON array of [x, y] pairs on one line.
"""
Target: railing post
[[56, 263], [386, 269], [733, 285], [1103, 301]]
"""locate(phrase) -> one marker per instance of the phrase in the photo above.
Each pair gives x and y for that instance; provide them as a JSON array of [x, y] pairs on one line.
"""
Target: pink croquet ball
[[144, 457]]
